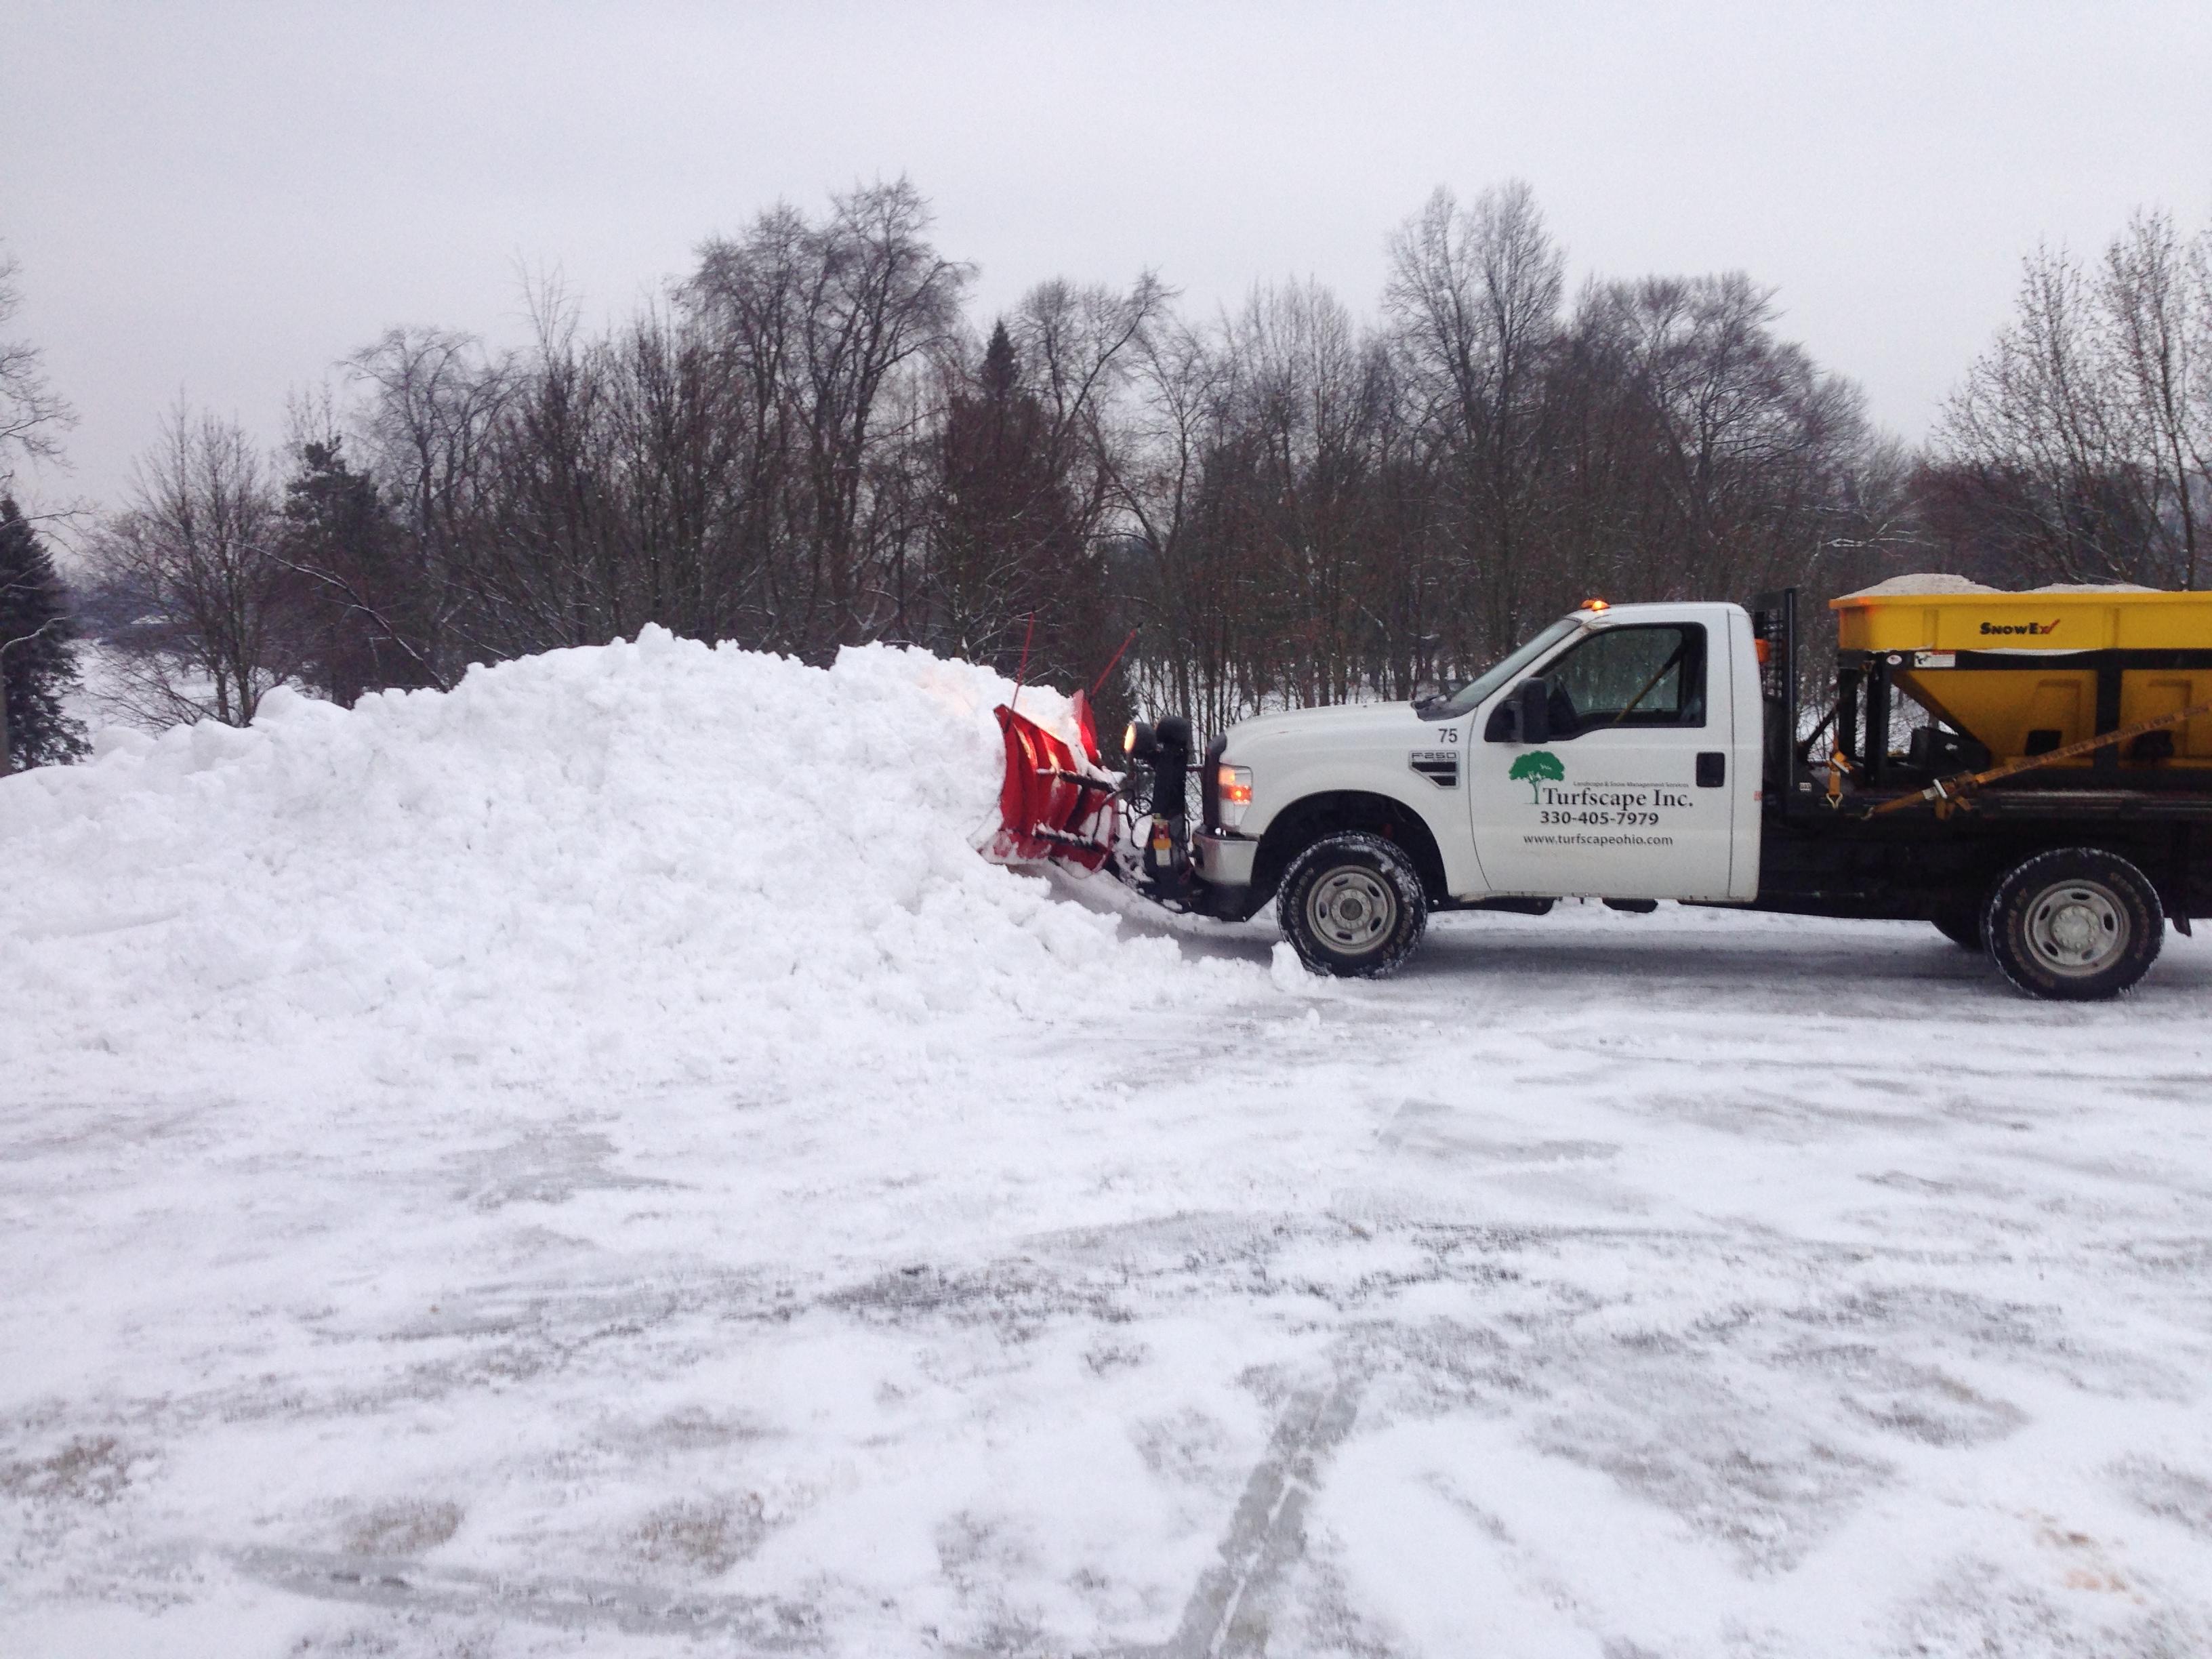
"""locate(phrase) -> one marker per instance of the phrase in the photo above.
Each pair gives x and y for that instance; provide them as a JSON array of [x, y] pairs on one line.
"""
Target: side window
[[1652, 675]]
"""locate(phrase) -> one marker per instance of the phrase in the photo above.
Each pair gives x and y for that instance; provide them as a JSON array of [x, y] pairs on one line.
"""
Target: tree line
[[811, 442]]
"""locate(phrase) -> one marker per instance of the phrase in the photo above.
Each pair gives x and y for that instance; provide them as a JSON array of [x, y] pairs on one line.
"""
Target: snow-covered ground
[[594, 1162]]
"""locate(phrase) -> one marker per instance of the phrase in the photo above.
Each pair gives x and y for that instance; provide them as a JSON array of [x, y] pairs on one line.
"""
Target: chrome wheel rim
[[1352, 910], [2076, 928]]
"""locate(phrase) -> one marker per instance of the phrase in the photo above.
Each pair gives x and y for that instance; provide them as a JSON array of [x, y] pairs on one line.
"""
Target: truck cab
[[1614, 755]]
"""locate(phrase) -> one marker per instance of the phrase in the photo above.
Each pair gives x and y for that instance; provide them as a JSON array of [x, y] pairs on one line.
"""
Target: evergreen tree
[[1009, 542], [341, 539], [38, 659]]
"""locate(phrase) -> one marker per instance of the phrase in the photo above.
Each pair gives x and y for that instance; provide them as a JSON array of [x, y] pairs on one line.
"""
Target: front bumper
[[1223, 860]]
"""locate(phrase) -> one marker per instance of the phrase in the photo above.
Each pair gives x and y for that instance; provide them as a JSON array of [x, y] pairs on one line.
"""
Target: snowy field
[[593, 1164]]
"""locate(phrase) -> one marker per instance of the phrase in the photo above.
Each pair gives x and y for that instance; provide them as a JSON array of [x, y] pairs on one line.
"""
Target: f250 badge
[[1439, 766]]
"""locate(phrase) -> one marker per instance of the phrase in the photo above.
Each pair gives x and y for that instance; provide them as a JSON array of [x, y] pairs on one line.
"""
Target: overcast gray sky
[[220, 200]]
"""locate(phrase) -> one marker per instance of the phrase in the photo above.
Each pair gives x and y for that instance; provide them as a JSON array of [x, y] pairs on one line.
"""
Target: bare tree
[[2156, 292], [436, 400], [2076, 448], [196, 556], [674, 432], [1158, 470], [1749, 442], [1307, 407], [823, 322], [1474, 295], [32, 415]]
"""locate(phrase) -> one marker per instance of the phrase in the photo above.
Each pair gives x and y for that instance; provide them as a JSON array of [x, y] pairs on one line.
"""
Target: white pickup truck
[[1640, 753]]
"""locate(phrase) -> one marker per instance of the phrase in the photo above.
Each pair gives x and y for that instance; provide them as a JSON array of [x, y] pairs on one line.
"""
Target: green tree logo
[[1542, 767]]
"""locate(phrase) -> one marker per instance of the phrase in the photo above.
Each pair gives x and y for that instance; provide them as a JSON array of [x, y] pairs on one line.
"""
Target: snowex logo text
[[2050, 627]]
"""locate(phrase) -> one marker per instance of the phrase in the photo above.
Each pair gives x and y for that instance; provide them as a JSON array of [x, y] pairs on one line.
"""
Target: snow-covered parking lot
[[1692, 1284]]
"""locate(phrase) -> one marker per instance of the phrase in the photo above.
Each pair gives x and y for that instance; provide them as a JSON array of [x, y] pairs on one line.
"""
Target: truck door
[[1627, 795]]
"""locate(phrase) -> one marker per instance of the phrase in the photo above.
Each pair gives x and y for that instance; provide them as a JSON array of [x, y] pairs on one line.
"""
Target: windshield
[[1469, 695]]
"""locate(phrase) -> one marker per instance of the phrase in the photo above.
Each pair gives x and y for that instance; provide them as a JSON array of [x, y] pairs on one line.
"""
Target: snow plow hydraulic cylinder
[[1165, 751], [1172, 767]]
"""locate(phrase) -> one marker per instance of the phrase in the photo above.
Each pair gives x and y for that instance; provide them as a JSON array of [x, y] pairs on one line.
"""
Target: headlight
[[1233, 789], [1139, 742]]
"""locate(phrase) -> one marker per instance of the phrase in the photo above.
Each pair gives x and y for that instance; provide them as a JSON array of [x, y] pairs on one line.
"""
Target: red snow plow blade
[[1055, 805]]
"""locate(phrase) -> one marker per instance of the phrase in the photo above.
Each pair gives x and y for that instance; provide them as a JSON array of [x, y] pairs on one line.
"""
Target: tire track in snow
[[767, 1625], [1230, 1612]]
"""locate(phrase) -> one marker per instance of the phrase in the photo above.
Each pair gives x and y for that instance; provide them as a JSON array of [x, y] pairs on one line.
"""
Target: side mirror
[[1533, 698], [1524, 717]]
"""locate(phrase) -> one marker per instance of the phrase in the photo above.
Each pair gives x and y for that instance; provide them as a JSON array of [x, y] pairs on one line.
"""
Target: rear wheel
[[1352, 906], [2078, 924]]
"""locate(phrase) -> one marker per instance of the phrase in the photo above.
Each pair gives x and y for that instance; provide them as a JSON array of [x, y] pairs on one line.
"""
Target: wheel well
[[1302, 824], [2173, 863]]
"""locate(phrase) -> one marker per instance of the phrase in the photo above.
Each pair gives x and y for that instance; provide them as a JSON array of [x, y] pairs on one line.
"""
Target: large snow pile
[[659, 857]]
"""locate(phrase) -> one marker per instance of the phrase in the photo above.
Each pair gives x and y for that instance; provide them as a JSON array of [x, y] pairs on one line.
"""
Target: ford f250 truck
[[2053, 806]]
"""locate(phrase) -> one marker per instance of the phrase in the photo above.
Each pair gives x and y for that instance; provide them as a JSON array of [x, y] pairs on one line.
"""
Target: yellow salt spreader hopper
[[2029, 674]]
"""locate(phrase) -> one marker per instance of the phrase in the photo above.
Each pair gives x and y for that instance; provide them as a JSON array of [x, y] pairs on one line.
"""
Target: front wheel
[[1352, 906], [2078, 924]]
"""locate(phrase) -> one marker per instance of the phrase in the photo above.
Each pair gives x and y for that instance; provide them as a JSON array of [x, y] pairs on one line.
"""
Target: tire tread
[[1388, 858], [2031, 876]]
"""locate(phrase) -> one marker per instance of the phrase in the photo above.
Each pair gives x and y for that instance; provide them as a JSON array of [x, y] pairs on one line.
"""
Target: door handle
[[1712, 770]]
